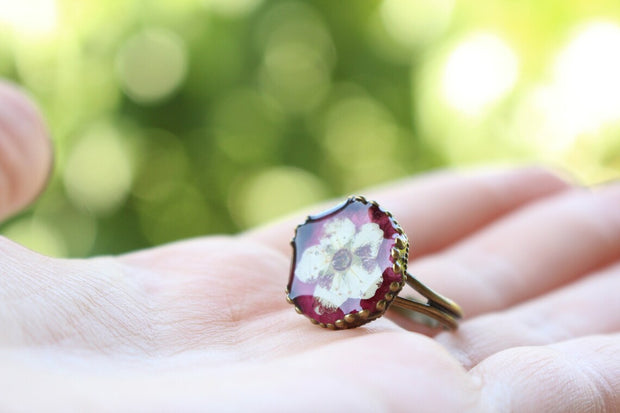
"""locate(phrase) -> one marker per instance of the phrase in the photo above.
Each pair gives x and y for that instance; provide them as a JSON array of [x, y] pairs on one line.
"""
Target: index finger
[[440, 208]]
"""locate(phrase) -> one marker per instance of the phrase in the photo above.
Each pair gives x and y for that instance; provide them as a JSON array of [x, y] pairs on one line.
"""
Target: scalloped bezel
[[399, 254]]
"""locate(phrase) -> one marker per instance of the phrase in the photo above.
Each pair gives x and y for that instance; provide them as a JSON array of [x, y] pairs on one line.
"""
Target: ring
[[349, 264]]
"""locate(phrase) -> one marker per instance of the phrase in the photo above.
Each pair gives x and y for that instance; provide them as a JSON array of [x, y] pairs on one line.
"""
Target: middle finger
[[528, 253]]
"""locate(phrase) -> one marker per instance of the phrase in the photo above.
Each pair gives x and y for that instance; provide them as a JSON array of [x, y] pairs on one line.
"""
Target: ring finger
[[586, 307]]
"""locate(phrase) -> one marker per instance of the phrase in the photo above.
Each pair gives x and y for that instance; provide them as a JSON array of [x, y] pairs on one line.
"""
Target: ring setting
[[349, 265]]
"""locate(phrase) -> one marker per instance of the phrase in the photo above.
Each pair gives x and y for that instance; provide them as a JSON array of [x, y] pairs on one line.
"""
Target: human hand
[[203, 324]]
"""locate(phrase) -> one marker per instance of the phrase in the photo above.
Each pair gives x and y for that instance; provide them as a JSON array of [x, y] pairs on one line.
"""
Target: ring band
[[349, 265]]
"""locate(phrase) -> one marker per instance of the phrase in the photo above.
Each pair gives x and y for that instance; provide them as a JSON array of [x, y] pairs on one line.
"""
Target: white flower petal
[[338, 233], [355, 283], [372, 289], [331, 297], [313, 261], [366, 282], [370, 236]]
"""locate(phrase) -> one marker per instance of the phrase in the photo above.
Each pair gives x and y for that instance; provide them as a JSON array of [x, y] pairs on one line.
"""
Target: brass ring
[[349, 265]]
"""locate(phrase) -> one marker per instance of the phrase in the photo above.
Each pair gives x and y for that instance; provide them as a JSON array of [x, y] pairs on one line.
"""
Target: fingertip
[[547, 176], [550, 179], [25, 150], [527, 183]]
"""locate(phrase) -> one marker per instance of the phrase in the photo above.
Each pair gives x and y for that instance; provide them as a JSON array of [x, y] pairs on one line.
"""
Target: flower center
[[342, 260]]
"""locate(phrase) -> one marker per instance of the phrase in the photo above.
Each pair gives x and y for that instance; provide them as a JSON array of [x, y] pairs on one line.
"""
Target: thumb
[[25, 150]]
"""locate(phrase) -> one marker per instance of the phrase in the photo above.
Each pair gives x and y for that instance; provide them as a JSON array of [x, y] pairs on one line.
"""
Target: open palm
[[204, 325]]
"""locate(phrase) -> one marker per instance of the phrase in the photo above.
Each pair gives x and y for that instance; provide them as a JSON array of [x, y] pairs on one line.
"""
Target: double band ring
[[349, 265]]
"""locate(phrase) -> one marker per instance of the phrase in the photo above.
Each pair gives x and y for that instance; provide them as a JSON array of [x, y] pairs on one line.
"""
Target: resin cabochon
[[343, 263]]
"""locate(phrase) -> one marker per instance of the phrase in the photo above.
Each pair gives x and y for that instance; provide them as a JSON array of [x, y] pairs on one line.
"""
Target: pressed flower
[[342, 261]]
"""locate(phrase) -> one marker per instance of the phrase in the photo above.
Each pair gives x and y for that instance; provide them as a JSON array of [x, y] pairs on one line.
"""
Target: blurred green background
[[174, 119]]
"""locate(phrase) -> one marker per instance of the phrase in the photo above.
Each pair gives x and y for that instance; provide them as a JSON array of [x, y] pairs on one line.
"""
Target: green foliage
[[174, 119]]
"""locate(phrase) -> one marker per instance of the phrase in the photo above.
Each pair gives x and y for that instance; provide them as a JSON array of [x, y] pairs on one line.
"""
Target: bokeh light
[[272, 193], [247, 126], [478, 72], [38, 235], [413, 23], [586, 81], [175, 210], [297, 59], [151, 65], [232, 8], [361, 137], [30, 17], [98, 171]]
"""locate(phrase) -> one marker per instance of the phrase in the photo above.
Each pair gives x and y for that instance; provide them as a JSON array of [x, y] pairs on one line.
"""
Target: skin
[[203, 324]]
